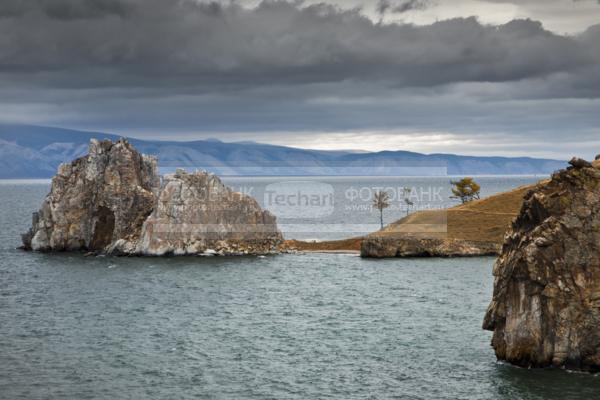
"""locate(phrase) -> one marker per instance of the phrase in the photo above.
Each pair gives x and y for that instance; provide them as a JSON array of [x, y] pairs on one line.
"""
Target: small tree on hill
[[407, 200], [465, 189], [381, 200]]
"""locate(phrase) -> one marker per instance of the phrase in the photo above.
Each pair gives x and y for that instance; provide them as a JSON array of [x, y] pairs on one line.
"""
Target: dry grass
[[483, 220]]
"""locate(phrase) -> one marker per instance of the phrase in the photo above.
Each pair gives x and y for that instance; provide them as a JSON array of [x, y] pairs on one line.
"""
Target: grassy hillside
[[483, 220]]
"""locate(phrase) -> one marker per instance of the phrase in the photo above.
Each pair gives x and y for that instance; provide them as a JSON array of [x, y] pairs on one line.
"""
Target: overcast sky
[[486, 77]]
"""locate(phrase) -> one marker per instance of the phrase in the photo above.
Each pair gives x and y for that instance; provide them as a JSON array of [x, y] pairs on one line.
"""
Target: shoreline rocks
[[407, 246], [545, 309], [112, 201]]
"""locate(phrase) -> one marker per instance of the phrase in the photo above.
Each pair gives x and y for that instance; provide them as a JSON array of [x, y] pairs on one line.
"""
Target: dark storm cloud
[[145, 67], [409, 5], [65, 9], [85, 43], [385, 6]]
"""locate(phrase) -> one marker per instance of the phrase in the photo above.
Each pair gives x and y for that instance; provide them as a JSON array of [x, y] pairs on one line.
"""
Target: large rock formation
[[545, 308], [196, 213], [96, 200], [112, 201]]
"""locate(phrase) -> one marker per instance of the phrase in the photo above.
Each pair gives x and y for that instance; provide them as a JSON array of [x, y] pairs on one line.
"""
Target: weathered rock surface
[[96, 200], [545, 308], [112, 201], [407, 246], [196, 213]]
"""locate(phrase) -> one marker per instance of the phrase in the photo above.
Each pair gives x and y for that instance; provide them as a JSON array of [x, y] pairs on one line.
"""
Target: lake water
[[283, 327]]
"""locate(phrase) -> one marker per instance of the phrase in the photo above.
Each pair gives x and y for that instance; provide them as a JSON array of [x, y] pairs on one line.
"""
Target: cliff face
[[196, 212], [112, 201], [96, 200], [545, 308]]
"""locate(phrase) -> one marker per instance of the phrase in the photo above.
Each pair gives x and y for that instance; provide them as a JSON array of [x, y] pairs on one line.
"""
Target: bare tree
[[381, 200], [407, 201]]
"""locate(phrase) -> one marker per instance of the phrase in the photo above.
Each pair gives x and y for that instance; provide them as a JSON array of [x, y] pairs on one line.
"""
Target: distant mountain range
[[35, 152]]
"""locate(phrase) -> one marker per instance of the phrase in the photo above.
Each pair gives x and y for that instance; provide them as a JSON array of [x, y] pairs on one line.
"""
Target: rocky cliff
[[545, 308], [196, 213], [112, 201], [96, 200]]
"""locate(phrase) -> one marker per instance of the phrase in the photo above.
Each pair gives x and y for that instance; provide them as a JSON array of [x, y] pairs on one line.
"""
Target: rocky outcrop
[[407, 246], [196, 213], [545, 308], [96, 200], [112, 201], [476, 228]]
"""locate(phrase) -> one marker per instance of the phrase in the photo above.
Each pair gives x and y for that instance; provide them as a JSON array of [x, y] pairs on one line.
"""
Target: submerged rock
[[112, 201], [545, 308]]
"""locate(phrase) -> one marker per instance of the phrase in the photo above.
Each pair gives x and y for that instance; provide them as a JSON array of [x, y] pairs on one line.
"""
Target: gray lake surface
[[308, 326]]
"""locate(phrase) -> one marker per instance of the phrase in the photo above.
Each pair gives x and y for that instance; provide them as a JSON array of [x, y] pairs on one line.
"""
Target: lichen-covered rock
[[410, 246], [197, 213], [545, 308], [96, 200], [112, 201]]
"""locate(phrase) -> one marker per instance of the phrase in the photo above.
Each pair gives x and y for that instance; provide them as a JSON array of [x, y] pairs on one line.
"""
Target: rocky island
[[113, 201], [545, 308]]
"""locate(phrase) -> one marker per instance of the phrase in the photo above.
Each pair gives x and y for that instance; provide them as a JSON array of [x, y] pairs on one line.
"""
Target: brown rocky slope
[[545, 308]]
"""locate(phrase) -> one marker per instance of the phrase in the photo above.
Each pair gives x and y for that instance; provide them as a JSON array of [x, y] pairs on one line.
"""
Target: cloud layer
[[204, 67], [138, 42]]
